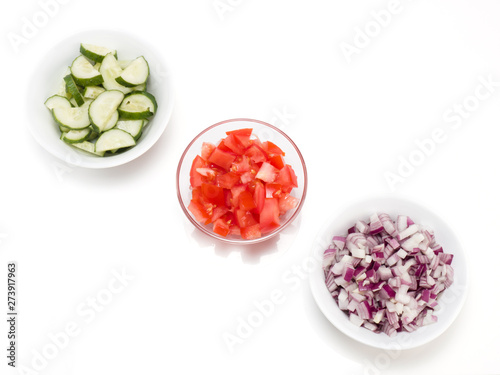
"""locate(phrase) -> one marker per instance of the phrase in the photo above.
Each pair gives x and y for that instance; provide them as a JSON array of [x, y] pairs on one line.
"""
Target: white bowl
[[450, 301], [49, 71]]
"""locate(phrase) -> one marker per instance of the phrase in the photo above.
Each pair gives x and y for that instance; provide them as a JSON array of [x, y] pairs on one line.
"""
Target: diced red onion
[[387, 275]]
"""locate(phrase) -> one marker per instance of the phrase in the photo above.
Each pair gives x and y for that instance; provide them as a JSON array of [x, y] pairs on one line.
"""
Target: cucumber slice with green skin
[[102, 111], [87, 147], [72, 118], [136, 73], [64, 129], [138, 105], [92, 92], [110, 70], [95, 53], [124, 63], [57, 101], [72, 88], [93, 135], [133, 127], [76, 136], [84, 72], [114, 139]]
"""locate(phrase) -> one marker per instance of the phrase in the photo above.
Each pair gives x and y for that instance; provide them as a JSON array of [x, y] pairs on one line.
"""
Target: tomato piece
[[213, 194], [269, 217], [277, 161], [273, 190], [234, 230], [287, 178], [252, 232], [243, 136], [236, 190], [196, 179], [267, 173], [245, 219], [241, 165], [218, 212], [209, 173], [206, 150], [272, 149], [222, 158], [199, 211], [227, 180], [221, 227], [287, 202], [259, 196], [256, 154], [234, 144], [246, 201], [247, 177]]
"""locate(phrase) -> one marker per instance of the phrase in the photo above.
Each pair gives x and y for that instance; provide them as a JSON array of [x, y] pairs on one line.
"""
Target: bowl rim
[[241, 241], [343, 325], [116, 160]]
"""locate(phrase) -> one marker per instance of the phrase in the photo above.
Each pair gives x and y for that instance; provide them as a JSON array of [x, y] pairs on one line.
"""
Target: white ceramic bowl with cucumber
[[96, 111]]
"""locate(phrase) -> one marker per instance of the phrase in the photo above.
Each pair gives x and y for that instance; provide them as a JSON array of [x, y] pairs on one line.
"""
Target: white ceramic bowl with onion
[[450, 300]]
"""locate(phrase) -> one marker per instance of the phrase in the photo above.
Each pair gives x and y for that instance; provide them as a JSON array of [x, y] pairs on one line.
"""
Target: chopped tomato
[[241, 164], [256, 154], [241, 186], [269, 217], [259, 196], [227, 180], [206, 150], [287, 178], [236, 191], [245, 219], [198, 210], [234, 144], [247, 177], [243, 135], [221, 227], [246, 201], [273, 190], [222, 158], [277, 161], [287, 202], [267, 173], [251, 233], [213, 194], [272, 149]]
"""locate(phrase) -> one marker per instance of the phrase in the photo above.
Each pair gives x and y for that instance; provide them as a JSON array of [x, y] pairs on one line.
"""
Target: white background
[[69, 229]]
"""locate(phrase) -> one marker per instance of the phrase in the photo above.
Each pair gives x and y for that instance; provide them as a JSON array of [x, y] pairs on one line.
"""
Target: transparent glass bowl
[[265, 132]]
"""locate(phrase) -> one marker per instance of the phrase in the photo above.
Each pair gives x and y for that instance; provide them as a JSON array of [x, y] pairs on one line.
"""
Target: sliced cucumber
[[102, 111], [138, 105], [84, 72], [95, 53], [133, 127], [136, 73], [114, 139], [76, 136], [110, 70], [57, 101], [92, 92], [88, 147], [72, 88], [124, 63], [72, 118]]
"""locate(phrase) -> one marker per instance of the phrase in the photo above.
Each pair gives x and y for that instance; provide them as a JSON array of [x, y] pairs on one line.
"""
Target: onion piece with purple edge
[[386, 274]]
